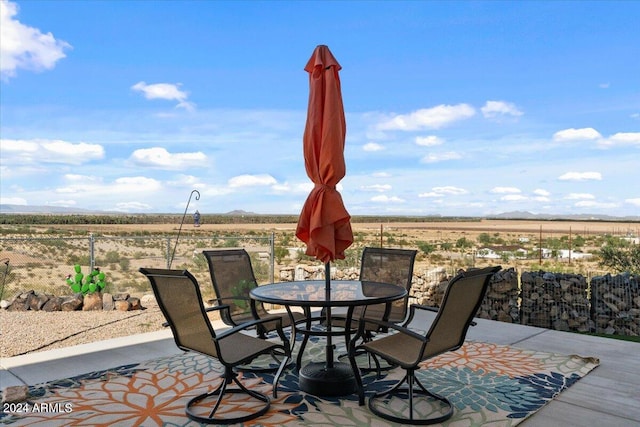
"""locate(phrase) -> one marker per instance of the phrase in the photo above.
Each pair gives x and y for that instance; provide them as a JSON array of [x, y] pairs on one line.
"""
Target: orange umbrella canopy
[[324, 222]]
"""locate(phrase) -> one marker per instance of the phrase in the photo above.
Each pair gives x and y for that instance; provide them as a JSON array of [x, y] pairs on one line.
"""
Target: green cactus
[[93, 282]]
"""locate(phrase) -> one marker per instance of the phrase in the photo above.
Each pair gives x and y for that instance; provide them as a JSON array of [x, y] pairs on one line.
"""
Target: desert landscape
[[41, 256]]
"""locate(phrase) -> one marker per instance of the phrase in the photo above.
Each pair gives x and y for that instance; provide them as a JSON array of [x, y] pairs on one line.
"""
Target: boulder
[[123, 305], [53, 304], [71, 303], [135, 303], [92, 302], [107, 302]]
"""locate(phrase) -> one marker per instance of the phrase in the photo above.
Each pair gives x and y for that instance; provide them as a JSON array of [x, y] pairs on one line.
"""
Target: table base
[[315, 378]]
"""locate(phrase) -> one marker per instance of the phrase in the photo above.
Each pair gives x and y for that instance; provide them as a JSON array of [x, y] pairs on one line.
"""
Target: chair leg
[[411, 381], [229, 377]]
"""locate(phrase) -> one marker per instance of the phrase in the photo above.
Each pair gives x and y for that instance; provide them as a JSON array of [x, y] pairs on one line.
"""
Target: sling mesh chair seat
[[384, 265], [178, 295], [408, 349], [233, 278]]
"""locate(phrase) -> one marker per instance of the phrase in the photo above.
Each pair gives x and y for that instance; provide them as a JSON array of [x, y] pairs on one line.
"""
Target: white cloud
[[622, 139], [444, 191], [13, 201], [252, 180], [19, 151], [450, 190], [496, 109], [594, 204], [577, 135], [85, 185], [579, 196], [376, 187], [581, 176], [635, 202], [24, 47], [541, 192], [604, 85], [428, 118], [166, 91], [441, 157], [160, 158], [513, 198], [505, 190], [132, 207], [387, 199], [428, 141], [372, 146]]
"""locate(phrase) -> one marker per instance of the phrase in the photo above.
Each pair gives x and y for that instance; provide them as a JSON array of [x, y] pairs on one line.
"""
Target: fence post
[[272, 267], [168, 252], [92, 259]]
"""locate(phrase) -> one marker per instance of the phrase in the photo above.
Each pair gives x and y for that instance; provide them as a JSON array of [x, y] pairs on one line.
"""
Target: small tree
[[621, 258]]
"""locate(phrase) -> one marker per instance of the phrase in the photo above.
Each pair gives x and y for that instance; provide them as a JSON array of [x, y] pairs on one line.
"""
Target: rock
[[122, 305], [92, 302], [148, 300], [71, 303], [107, 302], [121, 297], [37, 301], [4, 304], [134, 303], [15, 394], [53, 304]]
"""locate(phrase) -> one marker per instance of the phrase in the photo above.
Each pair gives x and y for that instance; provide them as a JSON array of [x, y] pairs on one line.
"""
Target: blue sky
[[453, 108]]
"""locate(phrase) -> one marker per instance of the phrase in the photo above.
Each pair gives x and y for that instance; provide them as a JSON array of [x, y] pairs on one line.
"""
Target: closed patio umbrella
[[324, 223]]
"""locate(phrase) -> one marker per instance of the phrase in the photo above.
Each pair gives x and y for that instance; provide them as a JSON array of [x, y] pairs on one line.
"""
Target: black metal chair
[[408, 349], [178, 295], [233, 278], [384, 265]]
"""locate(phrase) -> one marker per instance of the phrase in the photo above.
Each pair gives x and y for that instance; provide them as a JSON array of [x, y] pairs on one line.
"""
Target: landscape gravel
[[24, 332]]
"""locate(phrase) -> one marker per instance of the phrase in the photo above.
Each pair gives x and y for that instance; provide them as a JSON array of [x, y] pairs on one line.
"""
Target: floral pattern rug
[[488, 384]]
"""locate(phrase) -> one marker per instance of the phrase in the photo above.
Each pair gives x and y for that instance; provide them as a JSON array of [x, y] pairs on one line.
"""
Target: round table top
[[313, 293]]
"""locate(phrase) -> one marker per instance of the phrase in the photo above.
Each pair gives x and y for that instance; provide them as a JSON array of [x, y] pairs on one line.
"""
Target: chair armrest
[[251, 323], [363, 321], [424, 307], [207, 309], [415, 307]]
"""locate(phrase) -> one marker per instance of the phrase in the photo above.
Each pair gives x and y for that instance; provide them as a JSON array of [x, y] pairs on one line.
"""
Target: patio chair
[[386, 265], [178, 295], [233, 278], [410, 349]]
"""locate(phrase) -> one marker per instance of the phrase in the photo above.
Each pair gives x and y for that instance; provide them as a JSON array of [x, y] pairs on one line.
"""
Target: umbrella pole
[[327, 289]]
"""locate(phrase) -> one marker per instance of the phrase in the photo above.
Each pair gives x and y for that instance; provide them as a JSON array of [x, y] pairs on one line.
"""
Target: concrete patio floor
[[608, 396]]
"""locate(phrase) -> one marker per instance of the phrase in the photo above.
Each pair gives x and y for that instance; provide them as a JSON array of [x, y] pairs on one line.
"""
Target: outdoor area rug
[[488, 384]]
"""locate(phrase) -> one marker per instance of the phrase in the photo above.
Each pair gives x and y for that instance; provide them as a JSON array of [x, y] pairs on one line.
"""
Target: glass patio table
[[330, 377]]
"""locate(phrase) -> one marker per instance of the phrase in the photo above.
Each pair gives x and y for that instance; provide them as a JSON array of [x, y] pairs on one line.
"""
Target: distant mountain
[[24, 209], [240, 212], [43, 210], [571, 217]]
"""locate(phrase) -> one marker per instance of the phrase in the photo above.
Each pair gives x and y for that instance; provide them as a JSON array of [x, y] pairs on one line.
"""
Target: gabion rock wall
[[501, 300], [615, 304], [555, 301]]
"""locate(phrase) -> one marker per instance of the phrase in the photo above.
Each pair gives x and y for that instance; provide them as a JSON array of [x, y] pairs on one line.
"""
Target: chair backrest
[[393, 266], [178, 295], [460, 303], [232, 276]]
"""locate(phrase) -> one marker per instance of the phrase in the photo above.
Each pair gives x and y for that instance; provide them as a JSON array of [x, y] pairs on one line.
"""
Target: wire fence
[[43, 264], [572, 302]]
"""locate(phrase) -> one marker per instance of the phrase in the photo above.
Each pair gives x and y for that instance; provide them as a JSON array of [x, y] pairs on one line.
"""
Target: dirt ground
[[427, 229]]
